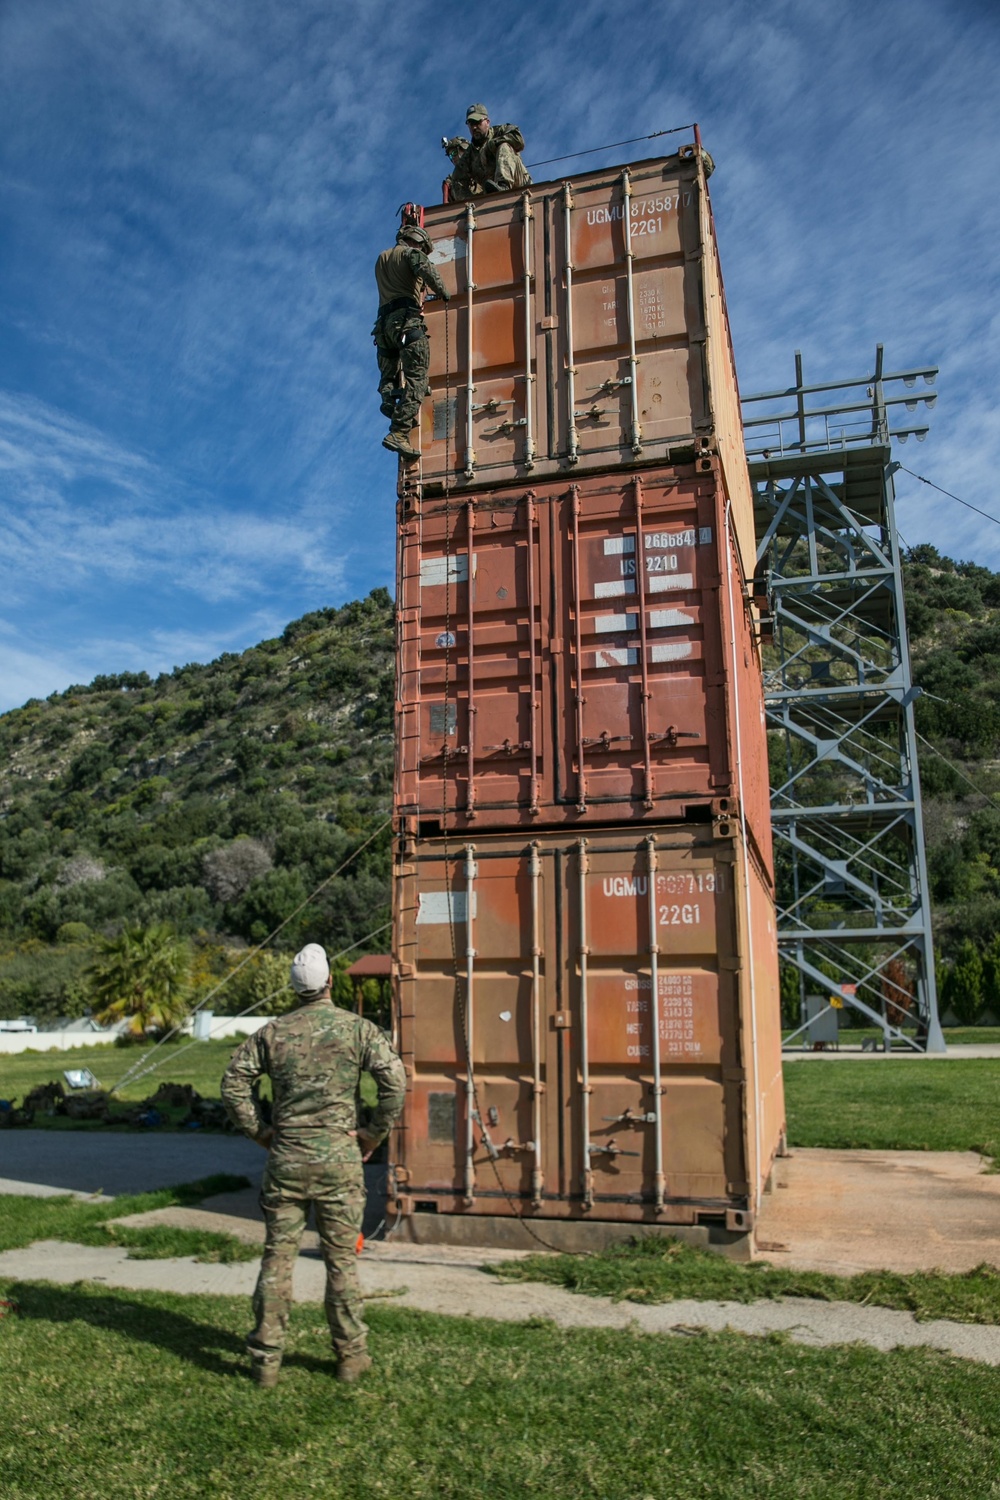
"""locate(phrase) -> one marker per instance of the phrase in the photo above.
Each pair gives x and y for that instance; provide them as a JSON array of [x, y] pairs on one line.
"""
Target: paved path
[[970, 1049], [446, 1282], [111, 1161]]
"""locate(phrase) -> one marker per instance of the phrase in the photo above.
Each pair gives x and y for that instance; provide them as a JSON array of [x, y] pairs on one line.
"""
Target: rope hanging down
[[138, 1069]]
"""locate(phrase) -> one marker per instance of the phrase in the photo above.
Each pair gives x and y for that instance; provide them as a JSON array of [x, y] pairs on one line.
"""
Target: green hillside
[[217, 797]]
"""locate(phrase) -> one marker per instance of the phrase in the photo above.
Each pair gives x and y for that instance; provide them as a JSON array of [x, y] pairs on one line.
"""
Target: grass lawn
[[125, 1394], [655, 1270], [201, 1064], [24, 1220], [895, 1104]]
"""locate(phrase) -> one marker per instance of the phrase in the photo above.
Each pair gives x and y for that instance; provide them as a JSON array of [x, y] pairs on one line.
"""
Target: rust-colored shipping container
[[587, 330], [544, 1080], [578, 653]]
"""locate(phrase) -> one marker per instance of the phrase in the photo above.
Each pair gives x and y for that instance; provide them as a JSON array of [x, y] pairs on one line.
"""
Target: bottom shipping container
[[590, 1027]]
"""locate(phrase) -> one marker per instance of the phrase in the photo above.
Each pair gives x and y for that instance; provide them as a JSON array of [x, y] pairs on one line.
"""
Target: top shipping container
[[587, 331]]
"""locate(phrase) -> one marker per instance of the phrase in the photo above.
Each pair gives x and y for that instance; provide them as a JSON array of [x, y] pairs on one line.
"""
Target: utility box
[[823, 1022]]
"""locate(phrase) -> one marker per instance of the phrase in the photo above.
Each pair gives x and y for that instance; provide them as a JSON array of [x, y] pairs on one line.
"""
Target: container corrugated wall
[[584, 938], [585, 1098], [578, 653], [587, 331]]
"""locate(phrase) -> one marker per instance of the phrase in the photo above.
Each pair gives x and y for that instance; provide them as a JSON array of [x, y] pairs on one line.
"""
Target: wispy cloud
[[197, 192]]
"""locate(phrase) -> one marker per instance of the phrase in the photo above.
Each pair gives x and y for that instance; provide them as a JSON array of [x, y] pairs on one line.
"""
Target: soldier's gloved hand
[[446, 296], [265, 1138], [367, 1144]]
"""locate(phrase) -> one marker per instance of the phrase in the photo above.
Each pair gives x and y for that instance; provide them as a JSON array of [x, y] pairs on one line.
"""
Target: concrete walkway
[[451, 1282], [853, 1049]]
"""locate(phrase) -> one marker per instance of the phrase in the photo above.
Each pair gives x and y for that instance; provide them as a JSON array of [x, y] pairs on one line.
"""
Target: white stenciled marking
[[664, 619], [438, 907], [616, 656], [436, 571], [660, 583], [618, 586], [447, 250], [614, 546], [604, 624], [671, 651]]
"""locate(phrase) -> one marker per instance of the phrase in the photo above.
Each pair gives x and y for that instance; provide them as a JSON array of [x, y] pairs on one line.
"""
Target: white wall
[[65, 1041]]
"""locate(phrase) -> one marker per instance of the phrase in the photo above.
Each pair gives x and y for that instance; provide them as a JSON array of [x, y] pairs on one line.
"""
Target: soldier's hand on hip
[[265, 1138]]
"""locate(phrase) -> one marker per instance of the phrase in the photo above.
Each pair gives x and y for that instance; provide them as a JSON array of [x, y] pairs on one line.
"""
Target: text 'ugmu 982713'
[[581, 751]]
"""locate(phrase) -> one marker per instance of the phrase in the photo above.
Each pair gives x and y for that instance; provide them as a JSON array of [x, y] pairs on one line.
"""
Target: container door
[[640, 1129], [645, 683], [473, 743], [632, 324], [491, 1139], [480, 416]]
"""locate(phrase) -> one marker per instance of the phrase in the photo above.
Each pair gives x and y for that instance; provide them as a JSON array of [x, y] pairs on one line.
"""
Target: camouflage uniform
[[456, 147], [402, 275], [314, 1057], [491, 165]]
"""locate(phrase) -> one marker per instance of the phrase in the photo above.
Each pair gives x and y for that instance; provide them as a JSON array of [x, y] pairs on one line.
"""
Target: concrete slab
[[113, 1162], [967, 1049], [42, 1190], [851, 1211], [464, 1291]]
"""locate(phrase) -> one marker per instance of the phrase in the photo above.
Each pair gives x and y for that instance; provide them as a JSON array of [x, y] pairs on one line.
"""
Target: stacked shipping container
[[584, 936]]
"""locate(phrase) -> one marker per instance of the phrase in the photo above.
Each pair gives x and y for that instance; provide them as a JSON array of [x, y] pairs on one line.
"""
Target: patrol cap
[[477, 112], [310, 970]]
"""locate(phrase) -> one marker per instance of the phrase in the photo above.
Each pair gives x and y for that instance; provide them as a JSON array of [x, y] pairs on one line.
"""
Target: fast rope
[[138, 1069]]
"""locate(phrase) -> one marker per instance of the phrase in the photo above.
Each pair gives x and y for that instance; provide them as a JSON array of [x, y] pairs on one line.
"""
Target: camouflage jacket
[[405, 271], [481, 168], [314, 1057]]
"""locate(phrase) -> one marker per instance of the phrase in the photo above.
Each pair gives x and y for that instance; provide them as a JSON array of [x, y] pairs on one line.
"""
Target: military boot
[[264, 1372], [351, 1367], [397, 442]]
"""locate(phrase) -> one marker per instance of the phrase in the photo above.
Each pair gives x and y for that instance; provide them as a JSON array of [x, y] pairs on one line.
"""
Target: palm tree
[[143, 975]]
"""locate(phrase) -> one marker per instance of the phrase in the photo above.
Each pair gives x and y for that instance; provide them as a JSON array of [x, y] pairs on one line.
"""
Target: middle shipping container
[[578, 654]]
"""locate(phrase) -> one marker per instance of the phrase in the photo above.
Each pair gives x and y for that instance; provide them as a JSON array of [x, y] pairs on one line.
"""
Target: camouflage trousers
[[404, 362], [336, 1189]]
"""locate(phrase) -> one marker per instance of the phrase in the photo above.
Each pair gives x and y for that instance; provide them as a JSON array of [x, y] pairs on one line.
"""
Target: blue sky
[[193, 193]]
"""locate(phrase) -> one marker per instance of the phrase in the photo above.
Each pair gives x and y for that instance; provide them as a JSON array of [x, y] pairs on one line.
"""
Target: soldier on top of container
[[403, 276], [455, 148], [492, 163], [314, 1057]]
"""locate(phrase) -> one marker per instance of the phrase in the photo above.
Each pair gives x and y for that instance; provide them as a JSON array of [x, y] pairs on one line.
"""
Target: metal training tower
[[854, 916]]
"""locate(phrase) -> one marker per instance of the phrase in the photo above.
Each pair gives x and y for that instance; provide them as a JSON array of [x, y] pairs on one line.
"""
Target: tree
[[230, 869], [142, 976], [962, 989]]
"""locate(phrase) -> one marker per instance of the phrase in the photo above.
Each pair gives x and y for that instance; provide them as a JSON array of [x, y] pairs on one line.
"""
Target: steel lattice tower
[[854, 915]]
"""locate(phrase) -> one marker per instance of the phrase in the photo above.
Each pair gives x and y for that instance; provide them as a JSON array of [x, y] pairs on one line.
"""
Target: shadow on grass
[[198, 1343], [203, 1344]]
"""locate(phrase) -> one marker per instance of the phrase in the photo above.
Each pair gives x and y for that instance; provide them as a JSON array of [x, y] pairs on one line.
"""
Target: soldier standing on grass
[[314, 1057]]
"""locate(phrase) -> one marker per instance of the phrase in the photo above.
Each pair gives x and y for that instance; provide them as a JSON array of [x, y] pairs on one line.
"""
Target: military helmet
[[414, 235]]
